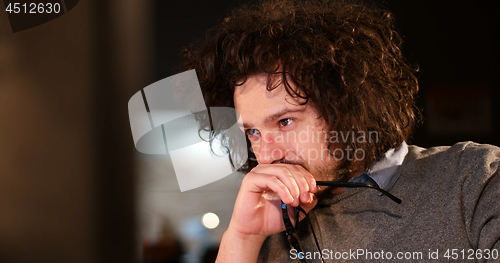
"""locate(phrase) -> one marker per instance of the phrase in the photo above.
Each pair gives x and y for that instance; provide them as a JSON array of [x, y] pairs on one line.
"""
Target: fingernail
[[305, 196]]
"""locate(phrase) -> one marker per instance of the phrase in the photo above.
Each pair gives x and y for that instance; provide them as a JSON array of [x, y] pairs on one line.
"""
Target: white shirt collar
[[387, 170]]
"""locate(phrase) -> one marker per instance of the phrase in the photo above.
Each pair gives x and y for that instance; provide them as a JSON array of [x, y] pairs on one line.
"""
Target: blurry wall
[[66, 152], [46, 165]]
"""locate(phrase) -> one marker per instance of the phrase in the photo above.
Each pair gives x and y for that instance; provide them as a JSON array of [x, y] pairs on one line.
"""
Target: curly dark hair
[[343, 56]]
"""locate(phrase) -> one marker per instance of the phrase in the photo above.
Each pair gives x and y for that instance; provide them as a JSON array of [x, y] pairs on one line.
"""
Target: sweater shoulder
[[463, 154], [464, 167]]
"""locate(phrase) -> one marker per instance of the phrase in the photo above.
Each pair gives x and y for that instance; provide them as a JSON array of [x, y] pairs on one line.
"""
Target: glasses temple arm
[[354, 185]]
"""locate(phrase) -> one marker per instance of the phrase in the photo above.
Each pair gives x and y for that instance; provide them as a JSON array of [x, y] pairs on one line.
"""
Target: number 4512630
[[33, 8]]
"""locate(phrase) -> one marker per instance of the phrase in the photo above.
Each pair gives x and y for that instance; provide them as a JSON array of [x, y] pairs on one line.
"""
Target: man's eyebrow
[[275, 116]]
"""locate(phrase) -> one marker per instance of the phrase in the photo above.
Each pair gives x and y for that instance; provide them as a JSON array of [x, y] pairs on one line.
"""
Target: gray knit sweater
[[450, 211]]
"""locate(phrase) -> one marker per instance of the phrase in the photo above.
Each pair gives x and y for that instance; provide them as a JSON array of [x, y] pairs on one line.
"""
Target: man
[[325, 94]]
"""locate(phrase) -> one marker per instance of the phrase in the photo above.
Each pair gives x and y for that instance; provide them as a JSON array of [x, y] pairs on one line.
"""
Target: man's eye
[[285, 122], [251, 132]]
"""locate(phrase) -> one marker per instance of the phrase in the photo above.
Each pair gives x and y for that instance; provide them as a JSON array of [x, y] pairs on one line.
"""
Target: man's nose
[[271, 149]]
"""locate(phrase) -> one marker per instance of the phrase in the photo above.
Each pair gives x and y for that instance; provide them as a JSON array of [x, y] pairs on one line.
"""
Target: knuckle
[[245, 179], [248, 178]]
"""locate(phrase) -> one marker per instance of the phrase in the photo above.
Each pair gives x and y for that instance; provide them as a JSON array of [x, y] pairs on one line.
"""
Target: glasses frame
[[291, 230]]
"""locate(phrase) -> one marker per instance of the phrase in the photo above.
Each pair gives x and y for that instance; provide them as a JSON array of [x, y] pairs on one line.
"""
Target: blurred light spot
[[210, 220]]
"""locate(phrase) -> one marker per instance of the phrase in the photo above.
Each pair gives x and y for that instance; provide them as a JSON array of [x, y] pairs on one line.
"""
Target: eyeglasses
[[291, 230]]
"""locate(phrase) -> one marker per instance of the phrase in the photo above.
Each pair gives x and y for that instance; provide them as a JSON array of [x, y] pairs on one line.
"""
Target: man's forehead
[[257, 85], [257, 104], [255, 91]]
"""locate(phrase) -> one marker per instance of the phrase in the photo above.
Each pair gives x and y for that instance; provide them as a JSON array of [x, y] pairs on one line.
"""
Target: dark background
[[67, 159]]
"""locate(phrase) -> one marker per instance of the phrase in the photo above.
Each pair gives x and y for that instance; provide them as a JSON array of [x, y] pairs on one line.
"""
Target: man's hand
[[257, 211]]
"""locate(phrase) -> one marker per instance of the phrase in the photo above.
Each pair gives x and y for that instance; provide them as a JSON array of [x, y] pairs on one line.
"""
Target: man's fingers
[[301, 180], [298, 181], [266, 182], [286, 174], [311, 204], [309, 178], [306, 206]]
